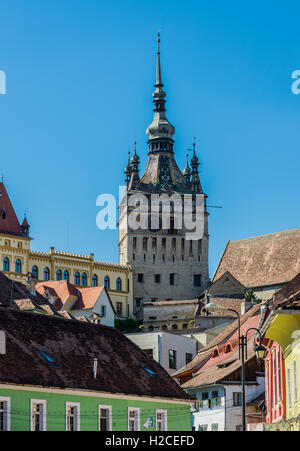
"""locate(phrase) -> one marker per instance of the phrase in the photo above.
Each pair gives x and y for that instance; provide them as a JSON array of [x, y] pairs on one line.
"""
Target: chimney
[[95, 367], [30, 283]]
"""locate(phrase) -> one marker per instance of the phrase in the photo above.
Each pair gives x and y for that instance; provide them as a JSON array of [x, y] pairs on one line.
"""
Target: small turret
[[25, 227], [128, 170], [134, 178]]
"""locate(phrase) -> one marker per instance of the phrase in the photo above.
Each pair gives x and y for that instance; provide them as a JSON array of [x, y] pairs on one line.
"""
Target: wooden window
[[105, 418], [237, 398], [172, 359], [161, 420], [38, 415], [133, 419], [119, 308], [4, 414], [72, 416]]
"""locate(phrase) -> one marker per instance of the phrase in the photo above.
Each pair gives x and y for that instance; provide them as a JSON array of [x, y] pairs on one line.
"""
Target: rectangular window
[[161, 420], [72, 416], [138, 302], [172, 279], [133, 419], [172, 359], [289, 386], [295, 380], [214, 394], [38, 415], [279, 374], [119, 308], [103, 310], [157, 278], [105, 418], [140, 277], [197, 280], [204, 396], [215, 427], [188, 358], [4, 414], [274, 380], [237, 398], [203, 427]]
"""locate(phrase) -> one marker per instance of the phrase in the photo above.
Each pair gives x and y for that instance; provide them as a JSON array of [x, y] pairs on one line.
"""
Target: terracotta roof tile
[[262, 260]]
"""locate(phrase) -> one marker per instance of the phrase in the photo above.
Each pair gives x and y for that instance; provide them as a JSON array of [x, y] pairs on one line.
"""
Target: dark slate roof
[[10, 291], [73, 345]]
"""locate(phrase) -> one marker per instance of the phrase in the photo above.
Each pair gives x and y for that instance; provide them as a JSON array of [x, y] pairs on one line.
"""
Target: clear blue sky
[[80, 76]]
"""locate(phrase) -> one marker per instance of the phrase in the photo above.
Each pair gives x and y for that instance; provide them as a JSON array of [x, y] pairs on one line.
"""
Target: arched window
[[119, 284], [46, 274], [174, 327], [106, 282], [77, 278], [6, 264], [66, 275], [35, 272], [18, 265], [95, 280], [84, 279], [58, 274]]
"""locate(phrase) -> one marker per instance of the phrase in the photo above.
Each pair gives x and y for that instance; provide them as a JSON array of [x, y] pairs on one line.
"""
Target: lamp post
[[260, 349]]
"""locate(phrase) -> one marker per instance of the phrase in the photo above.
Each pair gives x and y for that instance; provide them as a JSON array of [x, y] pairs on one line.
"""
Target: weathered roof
[[179, 303], [10, 291], [262, 260], [222, 366], [221, 339], [73, 345], [9, 223], [288, 296]]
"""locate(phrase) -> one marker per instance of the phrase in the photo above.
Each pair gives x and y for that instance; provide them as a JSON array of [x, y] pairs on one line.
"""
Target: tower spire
[[160, 131]]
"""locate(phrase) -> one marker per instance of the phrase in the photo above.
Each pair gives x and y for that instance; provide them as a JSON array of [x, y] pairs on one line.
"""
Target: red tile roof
[[9, 223], [88, 298], [262, 260]]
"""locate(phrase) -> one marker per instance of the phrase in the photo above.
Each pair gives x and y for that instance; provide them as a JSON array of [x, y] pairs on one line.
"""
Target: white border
[[109, 408], [73, 404], [136, 409], [7, 400], [44, 412]]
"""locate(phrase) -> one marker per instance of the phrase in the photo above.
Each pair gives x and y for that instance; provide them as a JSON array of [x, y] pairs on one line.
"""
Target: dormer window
[[3, 213]]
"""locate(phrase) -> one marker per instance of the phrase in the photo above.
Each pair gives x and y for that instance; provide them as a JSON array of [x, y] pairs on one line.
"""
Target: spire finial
[[158, 82], [2, 177]]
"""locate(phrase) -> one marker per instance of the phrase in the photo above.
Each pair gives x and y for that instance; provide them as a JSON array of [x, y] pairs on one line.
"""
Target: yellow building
[[283, 327], [17, 259]]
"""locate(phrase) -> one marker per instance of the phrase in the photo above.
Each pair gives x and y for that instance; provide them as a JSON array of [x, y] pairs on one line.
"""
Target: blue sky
[[80, 76]]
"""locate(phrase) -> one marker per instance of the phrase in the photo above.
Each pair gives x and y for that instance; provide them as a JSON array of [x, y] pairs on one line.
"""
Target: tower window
[[172, 279], [197, 280], [18, 266], [153, 258], [140, 277], [46, 274], [106, 282], [157, 278]]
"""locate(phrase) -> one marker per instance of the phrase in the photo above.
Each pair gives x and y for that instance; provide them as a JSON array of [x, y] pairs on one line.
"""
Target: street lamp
[[260, 350]]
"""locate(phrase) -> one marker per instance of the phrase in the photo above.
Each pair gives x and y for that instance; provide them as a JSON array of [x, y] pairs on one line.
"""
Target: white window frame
[[7, 401], [109, 408], [289, 386], [135, 409], [43, 413], [77, 405], [165, 413], [295, 380]]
